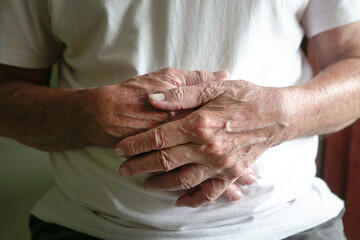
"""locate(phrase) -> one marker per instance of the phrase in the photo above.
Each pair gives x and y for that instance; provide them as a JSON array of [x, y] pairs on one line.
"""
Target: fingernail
[[236, 196], [124, 171], [250, 179], [157, 97], [173, 113], [119, 152], [224, 74]]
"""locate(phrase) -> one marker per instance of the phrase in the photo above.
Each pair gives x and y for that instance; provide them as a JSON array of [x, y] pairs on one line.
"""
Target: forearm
[[62, 119], [328, 103], [41, 117]]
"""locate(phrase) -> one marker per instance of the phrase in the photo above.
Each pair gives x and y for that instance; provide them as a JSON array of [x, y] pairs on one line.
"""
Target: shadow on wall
[[25, 176]]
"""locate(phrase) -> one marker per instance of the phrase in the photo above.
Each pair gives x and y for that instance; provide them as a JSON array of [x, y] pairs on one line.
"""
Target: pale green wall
[[25, 176]]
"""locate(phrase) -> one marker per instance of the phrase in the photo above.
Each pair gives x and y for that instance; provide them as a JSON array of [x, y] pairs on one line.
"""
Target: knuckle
[[200, 75], [179, 93], [172, 74], [245, 163], [215, 149], [203, 76], [209, 196], [227, 163], [203, 119], [193, 77], [165, 161], [157, 139], [184, 182], [209, 92], [201, 132], [209, 193], [235, 173], [167, 70], [133, 146], [202, 126]]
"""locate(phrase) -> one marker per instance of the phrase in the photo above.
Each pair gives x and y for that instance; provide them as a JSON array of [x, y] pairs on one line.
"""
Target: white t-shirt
[[106, 42]]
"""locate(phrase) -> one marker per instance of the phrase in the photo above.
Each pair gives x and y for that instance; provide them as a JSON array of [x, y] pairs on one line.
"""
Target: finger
[[187, 78], [186, 178], [167, 135], [247, 178], [188, 96], [233, 193], [210, 191], [162, 160]]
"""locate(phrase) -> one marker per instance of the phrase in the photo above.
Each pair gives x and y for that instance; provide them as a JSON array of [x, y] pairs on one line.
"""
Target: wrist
[[103, 111], [291, 105], [87, 111]]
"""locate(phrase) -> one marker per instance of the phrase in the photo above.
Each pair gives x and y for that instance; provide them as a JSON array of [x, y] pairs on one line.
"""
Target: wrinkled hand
[[117, 111], [211, 147]]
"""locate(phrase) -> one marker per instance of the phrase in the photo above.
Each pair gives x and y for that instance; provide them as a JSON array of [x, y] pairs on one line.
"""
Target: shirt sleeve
[[323, 15], [26, 38]]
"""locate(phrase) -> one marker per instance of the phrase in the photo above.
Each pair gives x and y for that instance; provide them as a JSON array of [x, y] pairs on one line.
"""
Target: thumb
[[187, 97]]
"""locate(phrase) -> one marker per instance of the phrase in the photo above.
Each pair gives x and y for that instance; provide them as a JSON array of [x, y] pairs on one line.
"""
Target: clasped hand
[[236, 121]]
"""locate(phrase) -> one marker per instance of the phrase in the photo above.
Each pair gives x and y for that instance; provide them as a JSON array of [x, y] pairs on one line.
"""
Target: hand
[[212, 146], [233, 192], [116, 111]]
